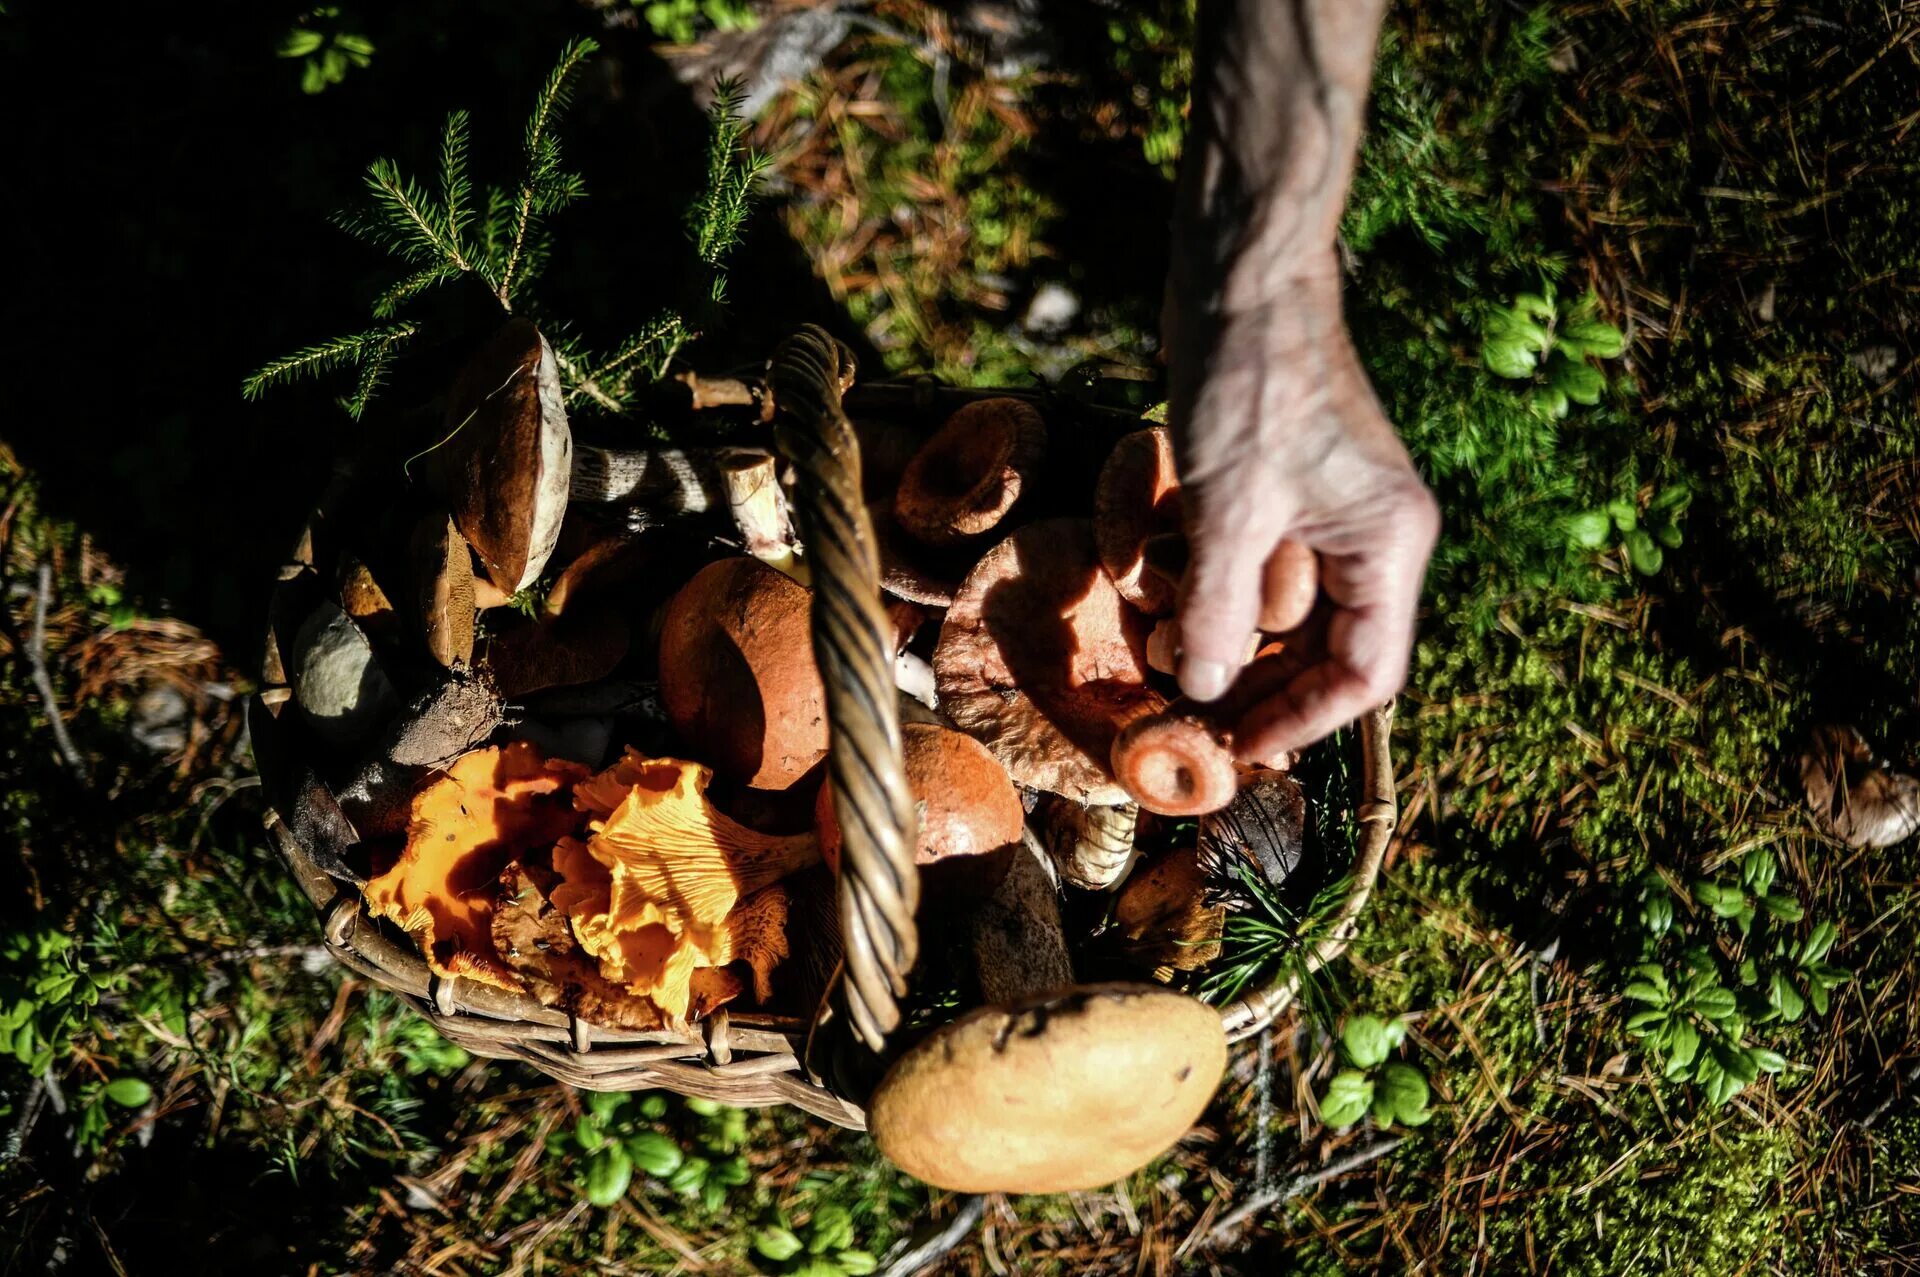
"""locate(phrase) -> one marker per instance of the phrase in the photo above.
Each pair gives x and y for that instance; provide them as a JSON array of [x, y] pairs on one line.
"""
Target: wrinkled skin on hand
[[1279, 434]]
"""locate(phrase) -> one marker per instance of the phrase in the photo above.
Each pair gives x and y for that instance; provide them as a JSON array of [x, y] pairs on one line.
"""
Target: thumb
[[1219, 606]]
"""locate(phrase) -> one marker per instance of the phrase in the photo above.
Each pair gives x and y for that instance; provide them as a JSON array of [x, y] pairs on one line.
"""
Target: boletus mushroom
[[1068, 1090], [443, 589], [971, 820], [1164, 915], [505, 465], [738, 676], [1043, 662], [971, 471]]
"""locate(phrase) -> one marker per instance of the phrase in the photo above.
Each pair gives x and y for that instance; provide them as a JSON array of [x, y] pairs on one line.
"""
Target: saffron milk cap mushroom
[[1070, 1090], [1175, 764], [971, 471], [971, 821], [1043, 662], [1137, 497], [504, 467], [737, 673]]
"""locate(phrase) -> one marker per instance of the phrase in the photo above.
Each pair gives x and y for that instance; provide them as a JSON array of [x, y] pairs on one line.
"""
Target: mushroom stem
[[1018, 948], [759, 507], [666, 480], [912, 675], [727, 392], [1092, 846]]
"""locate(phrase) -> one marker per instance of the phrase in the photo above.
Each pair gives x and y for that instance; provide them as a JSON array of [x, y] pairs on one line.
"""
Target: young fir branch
[[544, 188], [718, 220], [376, 344]]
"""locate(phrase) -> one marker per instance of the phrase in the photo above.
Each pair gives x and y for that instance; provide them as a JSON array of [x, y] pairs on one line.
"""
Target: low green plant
[[1534, 340], [620, 1135], [326, 49], [824, 1247], [1645, 534], [680, 21], [1391, 1090]]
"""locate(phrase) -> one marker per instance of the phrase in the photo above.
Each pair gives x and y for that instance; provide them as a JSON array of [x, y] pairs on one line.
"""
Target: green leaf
[[1827, 974], [713, 1194], [1366, 1041], [1642, 551], [856, 1263], [1724, 901], [1550, 402], [1767, 1061], [1818, 941], [1817, 994], [587, 1133], [1737, 1061], [1589, 531], [1784, 998], [1593, 337], [1510, 358], [1757, 870], [1534, 305], [1577, 380], [830, 1229], [1644, 991], [654, 1107], [1668, 535], [1657, 915], [1749, 973], [654, 1153], [1624, 516], [129, 1092], [299, 43], [1716, 1004], [1682, 1048], [776, 1244], [1348, 1096], [1403, 1091], [1783, 907], [609, 1172], [1640, 1021]]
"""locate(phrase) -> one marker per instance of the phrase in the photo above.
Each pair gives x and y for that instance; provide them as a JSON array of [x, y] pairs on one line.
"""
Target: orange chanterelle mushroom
[[491, 806], [667, 884]]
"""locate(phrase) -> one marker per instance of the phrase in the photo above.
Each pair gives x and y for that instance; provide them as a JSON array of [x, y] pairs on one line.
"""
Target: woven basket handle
[[853, 646]]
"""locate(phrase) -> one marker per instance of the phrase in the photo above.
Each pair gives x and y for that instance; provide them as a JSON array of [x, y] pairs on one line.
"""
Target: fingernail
[[1204, 680]]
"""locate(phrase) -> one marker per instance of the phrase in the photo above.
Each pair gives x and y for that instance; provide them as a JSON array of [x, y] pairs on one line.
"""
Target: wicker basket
[[745, 1058]]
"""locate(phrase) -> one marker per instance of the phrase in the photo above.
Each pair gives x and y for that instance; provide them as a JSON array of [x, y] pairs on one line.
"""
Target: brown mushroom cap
[[1071, 1091], [972, 821], [737, 673], [1041, 661], [1175, 764], [1138, 496], [443, 589], [970, 472], [505, 468], [1164, 917]]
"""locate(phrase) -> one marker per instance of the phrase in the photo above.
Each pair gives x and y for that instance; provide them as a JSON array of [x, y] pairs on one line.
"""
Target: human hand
[[1279, 435]]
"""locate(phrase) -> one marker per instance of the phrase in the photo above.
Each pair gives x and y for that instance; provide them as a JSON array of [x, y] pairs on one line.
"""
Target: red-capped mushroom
[[971, 822], [1175, 764], [738, 676], [1138, 496], [971, 471], [1043, 662]]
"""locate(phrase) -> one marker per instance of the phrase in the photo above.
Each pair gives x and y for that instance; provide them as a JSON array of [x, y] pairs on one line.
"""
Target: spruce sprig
[[452, 229]]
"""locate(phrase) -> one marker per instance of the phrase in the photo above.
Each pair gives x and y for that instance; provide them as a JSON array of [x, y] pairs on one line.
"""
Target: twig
[[43, 682], [1294, 1185], [925, 1246], [1263, 1112], [1892, 1097], [29, 1115]]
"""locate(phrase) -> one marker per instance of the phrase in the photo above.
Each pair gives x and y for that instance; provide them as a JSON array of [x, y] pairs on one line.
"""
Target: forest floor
[[1639, 610]]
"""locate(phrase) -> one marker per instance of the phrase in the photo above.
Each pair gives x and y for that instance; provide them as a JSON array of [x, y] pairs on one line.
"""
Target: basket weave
[[751, 1059]]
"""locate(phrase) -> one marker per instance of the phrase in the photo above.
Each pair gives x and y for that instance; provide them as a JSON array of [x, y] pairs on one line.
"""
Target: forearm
[[1279, 100]]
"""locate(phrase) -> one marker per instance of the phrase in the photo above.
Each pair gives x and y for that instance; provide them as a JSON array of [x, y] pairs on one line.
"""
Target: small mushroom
[[491, 806], [362, 598], [504, 466], [1856, 796], [1092, 847], [1043, 662], [1175, 763], [911, 571], [1138, 497], [1165, 917], [607, 567], [965, 478], [1071, 1090], [1019, 950], [443, 589], [1265, 824], [971, 819], [338, 681], [738, 676]]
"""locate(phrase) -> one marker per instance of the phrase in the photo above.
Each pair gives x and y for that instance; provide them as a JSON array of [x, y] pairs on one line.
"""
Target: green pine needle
[[326, 356]]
